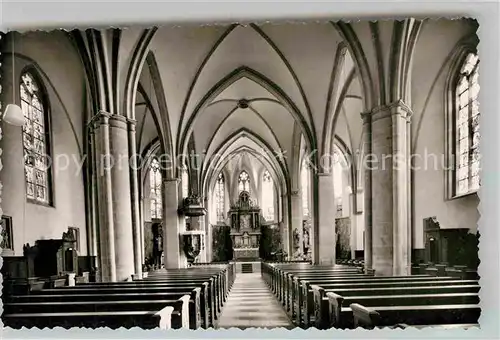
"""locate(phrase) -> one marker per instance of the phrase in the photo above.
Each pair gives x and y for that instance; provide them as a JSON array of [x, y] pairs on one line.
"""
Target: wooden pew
[[219, 287], [328, 301], [156, 303], [305, 299], [101, 302], [437, 315], [171, 316], [342, 316]]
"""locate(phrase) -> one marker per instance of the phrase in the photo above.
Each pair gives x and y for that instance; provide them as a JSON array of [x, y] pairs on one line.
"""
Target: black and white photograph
[[318, 174]]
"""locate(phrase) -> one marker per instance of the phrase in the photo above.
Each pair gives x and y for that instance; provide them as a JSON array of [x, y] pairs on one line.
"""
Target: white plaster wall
[[57, 58], [430, 198]]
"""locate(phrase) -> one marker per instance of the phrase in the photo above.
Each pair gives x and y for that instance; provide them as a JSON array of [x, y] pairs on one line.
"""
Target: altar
[[245, 228]]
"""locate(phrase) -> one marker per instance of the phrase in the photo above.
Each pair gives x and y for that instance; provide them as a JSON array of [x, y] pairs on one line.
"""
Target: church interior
[[273, 175]]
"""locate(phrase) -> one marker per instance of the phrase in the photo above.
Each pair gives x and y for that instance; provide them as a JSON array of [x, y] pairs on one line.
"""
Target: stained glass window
[[220, 197], [35, 140], [267, 196], [155, 189], [243, 182], [338, 185], [185, 182], [467, 160], [305, 178]]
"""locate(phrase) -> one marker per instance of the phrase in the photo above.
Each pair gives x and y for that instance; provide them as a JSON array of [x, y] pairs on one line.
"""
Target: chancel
[[274, 175]]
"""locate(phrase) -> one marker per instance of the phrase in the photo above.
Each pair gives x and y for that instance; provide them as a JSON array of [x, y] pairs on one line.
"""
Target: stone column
[[326, 238], [171, 230], [367, 209], [286, 225], [354, 225], [141, 211], [208, 230], [134, 195], [296, 205], [389, 189], [106, 245], [122, 207], [93, 231]]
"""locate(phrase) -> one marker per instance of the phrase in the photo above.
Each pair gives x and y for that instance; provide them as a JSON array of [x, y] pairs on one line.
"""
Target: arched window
[[267, 196], [243, 182], [185, 181], [35, 140], [466, 128], [305, 178], [220, 195], [338, 185], [155, 189]]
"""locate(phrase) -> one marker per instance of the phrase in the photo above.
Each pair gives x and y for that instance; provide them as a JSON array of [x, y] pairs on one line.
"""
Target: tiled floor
[[251, 304]]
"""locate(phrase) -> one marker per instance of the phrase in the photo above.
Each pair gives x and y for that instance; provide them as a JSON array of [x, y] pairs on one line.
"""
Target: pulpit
[[245, 228]]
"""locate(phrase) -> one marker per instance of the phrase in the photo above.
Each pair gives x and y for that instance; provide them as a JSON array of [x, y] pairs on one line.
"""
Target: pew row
[[182, 298], [437, 316]]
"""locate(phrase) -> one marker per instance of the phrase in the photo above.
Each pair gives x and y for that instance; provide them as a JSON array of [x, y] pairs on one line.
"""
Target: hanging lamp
[[13, 114]]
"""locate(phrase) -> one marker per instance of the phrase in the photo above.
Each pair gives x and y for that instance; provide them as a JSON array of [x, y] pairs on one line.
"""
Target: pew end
[[364, 317], [185, 311], [335, 302], [165, 316], [320, 307]]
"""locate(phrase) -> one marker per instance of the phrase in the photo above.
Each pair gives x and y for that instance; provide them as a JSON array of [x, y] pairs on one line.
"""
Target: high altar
[[245, 228]]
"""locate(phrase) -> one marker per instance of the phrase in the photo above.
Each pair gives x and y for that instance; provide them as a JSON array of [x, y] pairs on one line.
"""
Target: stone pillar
[[286, 225], [122, 207], [208, 230], [389, 190], [326, 238], [296, 204], [106, 245], [171, 230], [367, 209], [134, 195], [354, 225]]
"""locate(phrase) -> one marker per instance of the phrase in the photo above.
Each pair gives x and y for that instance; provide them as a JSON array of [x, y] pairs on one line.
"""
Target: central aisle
[[251, 304]]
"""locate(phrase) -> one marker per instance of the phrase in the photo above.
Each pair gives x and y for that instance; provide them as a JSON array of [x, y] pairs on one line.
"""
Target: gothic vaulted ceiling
[[247, 89]]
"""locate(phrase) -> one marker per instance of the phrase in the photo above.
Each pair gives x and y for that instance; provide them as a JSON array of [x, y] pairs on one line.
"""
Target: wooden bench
[[115, 314], [328, 301], [305, 298], [385, 316], [343, 317], [159, 302]]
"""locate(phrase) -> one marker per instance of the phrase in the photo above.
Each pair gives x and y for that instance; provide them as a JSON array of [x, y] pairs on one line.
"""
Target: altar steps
[[246, 268]]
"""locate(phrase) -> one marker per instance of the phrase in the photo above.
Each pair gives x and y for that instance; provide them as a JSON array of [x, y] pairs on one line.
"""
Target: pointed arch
[[244, 182], [259, 78], [267, 196], [155, 189], [360, 61], [220, 196], [211, 163]]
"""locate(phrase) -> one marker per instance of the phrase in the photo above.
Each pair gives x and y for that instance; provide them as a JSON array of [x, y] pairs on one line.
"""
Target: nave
[[251, 304], [149, 164], [285, 294]]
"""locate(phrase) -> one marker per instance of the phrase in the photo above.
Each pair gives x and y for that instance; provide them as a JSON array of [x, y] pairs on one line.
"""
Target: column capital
[[131, 124], [171, 180], [397, 107], [366, 117], [99, 119], [118, 121]]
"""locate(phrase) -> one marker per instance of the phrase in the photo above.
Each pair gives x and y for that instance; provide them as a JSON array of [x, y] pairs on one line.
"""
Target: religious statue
[[157, 251], [296, 238]]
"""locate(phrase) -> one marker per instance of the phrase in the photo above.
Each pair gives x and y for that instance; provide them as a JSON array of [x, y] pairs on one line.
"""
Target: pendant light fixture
[[13, 114]]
